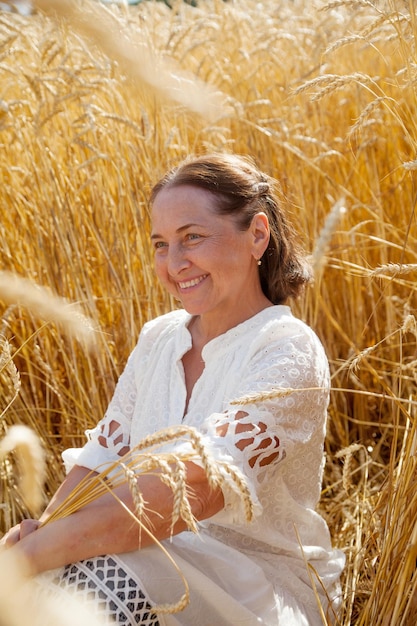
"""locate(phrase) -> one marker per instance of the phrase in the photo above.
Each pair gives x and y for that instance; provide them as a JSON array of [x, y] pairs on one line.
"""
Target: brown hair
[[242, 190]]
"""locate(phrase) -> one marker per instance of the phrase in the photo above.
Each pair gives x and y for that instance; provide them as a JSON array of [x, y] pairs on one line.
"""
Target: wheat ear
[[31, 460]]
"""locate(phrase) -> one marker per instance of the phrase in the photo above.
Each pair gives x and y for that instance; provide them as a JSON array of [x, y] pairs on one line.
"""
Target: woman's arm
[[104, 526], [73, 478], [27, 526]]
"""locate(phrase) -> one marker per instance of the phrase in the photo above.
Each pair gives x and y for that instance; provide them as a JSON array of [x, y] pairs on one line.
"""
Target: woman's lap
[[124, 588]]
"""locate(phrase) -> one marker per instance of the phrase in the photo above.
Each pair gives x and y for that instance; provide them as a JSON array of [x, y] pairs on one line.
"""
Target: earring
[[259, 262]]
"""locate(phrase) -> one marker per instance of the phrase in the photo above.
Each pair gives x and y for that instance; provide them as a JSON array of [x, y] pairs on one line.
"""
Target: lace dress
[[239, 573]]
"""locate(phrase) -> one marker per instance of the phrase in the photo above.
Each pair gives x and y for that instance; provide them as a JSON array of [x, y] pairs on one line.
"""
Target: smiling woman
[[238, 367]]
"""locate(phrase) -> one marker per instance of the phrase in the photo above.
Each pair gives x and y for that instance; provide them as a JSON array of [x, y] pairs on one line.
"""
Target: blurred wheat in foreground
[[26, 445], [23, 602], [18, 290], [323, 96]]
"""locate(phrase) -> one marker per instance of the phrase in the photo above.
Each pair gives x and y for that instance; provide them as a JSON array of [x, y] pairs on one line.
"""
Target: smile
[[192, 283]]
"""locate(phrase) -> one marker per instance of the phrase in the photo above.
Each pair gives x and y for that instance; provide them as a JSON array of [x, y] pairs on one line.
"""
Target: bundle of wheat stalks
[[97, 100]]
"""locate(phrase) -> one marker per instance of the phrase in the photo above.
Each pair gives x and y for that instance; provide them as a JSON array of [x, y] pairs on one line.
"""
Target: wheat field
[[97, 100]]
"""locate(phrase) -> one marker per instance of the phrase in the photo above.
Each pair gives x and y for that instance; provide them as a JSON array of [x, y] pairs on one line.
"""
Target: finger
[[28, 526], [11, 537]]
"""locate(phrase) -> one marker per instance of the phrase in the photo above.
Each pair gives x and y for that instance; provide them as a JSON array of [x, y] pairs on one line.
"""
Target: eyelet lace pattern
[[111, 593]]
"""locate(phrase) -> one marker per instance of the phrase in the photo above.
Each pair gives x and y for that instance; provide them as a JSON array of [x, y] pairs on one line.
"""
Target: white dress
[[239, 573]]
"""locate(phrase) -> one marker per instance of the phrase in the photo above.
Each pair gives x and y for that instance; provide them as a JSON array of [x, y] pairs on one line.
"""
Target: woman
[[225, 250]]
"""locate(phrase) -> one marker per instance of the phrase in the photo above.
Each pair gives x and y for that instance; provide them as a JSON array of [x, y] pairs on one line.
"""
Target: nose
[[177, 260]]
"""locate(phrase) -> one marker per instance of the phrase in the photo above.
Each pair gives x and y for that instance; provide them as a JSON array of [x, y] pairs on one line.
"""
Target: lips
[[186, 284]]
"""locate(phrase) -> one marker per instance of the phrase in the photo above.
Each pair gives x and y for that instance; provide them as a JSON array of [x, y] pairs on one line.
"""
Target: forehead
[[183, 202], [188, 195]]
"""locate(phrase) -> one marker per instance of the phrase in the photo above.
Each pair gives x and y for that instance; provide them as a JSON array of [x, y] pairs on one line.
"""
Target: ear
[[260, 234]]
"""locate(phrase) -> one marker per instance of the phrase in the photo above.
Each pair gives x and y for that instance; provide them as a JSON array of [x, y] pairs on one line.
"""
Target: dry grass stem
[[315, 581]]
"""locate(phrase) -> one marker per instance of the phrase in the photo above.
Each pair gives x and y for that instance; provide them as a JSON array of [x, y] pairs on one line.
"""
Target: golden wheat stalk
[[318, 257], [99, 24], [138, 516], [7, 365], [395, 564], [347, 455], [328, 83], [316, 582], [264, 396], [409, 325], [31, 462], [41, 302], [392, 269]]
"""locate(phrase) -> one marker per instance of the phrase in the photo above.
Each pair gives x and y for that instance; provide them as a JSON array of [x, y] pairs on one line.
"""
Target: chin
[[192, 310]]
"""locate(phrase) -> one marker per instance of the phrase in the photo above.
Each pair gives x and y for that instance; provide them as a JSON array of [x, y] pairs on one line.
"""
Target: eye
[[159, 244], [193, 236]]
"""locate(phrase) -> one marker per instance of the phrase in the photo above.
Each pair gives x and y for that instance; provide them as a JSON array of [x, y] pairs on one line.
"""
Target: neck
[[204, 328]]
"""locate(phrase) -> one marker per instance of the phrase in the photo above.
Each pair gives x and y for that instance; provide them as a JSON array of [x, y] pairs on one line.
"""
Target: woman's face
[[201, 257]]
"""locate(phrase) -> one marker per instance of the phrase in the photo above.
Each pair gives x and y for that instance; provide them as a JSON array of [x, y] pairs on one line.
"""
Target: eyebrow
[[179, 230]]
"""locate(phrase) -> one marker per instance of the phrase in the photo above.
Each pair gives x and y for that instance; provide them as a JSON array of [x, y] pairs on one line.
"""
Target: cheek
[[160, 267]]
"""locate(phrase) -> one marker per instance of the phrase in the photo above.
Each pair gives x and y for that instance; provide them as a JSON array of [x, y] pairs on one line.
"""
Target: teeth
[[192, 283]]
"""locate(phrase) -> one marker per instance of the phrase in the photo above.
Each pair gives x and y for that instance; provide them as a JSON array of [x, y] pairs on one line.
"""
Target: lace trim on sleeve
[[254, 440], [114, 437]]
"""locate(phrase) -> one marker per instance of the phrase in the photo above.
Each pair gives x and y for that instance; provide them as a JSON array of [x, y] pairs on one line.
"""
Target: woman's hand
[[18, 532]]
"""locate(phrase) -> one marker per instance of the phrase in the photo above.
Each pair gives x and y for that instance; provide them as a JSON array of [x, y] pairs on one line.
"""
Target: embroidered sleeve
[[111, 436], [282, 400]]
